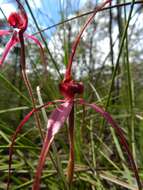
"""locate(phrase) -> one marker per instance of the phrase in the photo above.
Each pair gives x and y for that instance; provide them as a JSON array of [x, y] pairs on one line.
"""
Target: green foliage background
[[100, 161]]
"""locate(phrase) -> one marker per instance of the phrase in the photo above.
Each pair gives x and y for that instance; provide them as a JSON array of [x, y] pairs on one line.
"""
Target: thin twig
[[85, 14]]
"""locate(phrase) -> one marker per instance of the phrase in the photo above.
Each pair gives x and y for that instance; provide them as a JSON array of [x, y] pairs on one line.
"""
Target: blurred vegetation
[[100, 162]]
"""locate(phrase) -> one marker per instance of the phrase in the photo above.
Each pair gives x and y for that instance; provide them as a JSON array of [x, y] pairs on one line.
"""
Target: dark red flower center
[[69, 88], [18, 20]]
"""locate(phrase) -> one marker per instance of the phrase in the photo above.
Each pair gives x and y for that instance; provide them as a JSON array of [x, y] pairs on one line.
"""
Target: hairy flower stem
[[70, 169], [27, 82]]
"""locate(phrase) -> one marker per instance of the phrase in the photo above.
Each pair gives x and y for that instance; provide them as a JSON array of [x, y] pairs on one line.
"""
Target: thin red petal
[[55, 122], [34, 39], [26, 118], [120, 135], [13, 40], [76, 42], [39, 44], [5, 32]]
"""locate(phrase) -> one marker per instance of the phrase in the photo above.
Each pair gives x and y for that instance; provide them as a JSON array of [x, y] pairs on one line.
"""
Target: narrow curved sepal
[[39, 44], [77, 40], [13, 40], [119, 134], [26, 118], [5, 32], [34, 39]]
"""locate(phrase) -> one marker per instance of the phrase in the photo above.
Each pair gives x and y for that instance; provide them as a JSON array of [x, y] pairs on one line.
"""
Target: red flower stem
[[27, 82], [75, 44], [70, 169]]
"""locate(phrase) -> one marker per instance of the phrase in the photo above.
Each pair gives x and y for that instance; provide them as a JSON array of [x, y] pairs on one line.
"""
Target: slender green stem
[[131, 97], [119, 55], [14, 89], [93, 151], [110, 37]]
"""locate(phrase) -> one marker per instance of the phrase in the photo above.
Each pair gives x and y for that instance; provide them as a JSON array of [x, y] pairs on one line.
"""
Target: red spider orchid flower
[[19, 22], [69, 89]]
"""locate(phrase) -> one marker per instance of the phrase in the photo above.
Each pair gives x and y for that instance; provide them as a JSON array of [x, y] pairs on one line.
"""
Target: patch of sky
[[46, 12]]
